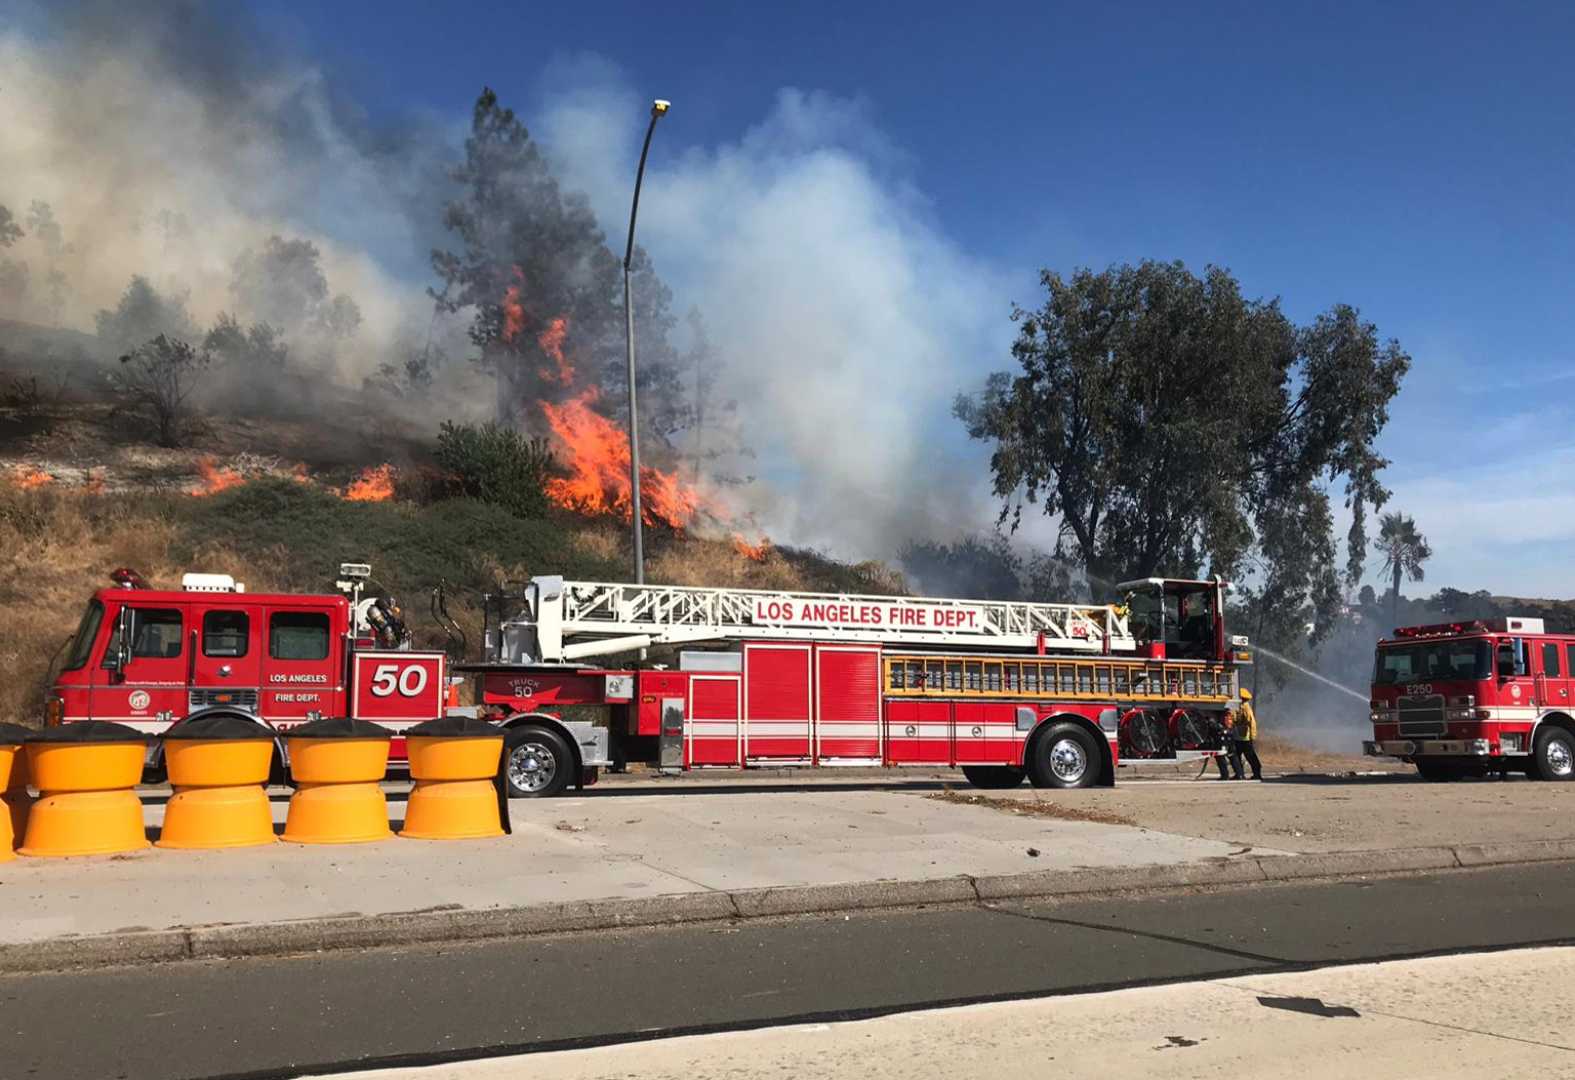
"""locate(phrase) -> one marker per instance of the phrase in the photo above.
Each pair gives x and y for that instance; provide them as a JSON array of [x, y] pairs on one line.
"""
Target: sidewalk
[[1401, 1018], [653, 850]]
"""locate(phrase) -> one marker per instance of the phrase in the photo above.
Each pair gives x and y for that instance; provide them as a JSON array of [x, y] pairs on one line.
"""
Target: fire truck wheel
[[1553, 754], [1064, 757], [537, 762], [993, 776]]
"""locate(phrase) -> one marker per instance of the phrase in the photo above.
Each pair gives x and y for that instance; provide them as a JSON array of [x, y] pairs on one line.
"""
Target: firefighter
[[1228, 749], [1244, 735]]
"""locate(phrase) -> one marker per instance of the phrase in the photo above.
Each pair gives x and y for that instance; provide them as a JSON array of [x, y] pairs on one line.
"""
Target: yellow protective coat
[[1246, 727]]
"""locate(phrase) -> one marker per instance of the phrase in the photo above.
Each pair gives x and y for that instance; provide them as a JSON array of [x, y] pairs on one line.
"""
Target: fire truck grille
[[201, 699], [1421, 716]]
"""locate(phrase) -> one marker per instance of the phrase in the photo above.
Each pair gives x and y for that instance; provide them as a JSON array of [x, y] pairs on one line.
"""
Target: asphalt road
[[342, 1010]]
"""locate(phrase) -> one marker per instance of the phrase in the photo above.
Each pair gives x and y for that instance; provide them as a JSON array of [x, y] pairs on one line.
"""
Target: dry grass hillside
[[58, 542], [274, 501]]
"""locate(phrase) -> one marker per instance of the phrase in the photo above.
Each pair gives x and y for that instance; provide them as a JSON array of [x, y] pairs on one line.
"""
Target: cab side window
[[225, 633], [298, 635], [155, 632], [1550, 659]]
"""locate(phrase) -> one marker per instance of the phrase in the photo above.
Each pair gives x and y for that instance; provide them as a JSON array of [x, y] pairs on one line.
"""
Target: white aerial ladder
[[566, 621]]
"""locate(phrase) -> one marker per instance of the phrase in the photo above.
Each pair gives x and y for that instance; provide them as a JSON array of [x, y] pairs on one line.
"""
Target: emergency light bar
[[1476, 626], [1510, 624]]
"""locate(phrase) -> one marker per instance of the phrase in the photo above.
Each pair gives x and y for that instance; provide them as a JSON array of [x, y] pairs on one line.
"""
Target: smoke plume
[[177, 145]]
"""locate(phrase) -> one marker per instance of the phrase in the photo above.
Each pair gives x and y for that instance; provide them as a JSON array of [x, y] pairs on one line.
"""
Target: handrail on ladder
[[564, 621]]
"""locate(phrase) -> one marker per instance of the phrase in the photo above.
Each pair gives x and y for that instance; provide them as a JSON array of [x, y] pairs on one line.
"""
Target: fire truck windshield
[[1427, 661], [82, 643]]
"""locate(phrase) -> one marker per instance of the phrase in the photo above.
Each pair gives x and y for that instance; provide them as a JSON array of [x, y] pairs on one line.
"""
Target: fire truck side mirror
[[119, 648]]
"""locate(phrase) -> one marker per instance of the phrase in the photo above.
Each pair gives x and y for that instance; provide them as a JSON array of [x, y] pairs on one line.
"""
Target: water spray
[[1363, 698]]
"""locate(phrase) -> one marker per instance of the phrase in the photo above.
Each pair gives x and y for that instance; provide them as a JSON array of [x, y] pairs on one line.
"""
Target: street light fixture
[[658, 110]]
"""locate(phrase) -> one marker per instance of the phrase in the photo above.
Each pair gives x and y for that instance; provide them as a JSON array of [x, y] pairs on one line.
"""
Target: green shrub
[[307, 532], [496, 465]]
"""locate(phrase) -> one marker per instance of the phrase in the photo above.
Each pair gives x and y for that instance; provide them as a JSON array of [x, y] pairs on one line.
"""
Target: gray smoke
[[174, 142]]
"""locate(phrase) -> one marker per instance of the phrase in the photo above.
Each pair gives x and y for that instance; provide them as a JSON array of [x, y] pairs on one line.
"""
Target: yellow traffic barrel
[[13, 782], [458, 794], [86, 772], [336, 764], [218, 766]]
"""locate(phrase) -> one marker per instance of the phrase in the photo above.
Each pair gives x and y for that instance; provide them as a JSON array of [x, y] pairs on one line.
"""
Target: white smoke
[[846, 319], [160, 167]]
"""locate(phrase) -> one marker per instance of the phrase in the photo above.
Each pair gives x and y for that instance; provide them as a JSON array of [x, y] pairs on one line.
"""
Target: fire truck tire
[[993, 776], [1065, 756], [1553, 754], [537, 763]]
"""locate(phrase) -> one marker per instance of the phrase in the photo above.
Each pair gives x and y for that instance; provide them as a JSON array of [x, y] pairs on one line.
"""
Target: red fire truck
[[1469, 698], [1061, 694]]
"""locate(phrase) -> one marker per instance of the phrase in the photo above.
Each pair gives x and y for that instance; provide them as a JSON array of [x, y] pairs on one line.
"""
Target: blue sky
[[1414, 160]]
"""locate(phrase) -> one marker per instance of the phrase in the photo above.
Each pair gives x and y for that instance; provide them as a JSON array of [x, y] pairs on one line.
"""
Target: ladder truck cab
[[1061, 694], [154, 658], [1468, 698]]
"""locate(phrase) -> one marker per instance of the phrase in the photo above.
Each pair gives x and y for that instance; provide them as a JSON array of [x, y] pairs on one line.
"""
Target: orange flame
[[596, 452], [375, 484], [298, 474], [513, 310], [214, 477], [551, 342], [752, 552], [29, 478]]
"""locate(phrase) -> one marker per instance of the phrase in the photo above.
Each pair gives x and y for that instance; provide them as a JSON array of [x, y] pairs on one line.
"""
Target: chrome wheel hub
[[531, 766], [1559, 758], [1068, 761]]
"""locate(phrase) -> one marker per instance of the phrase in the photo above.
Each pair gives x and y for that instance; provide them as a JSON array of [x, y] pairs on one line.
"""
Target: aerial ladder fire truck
[[1061, 694], [592, 675]]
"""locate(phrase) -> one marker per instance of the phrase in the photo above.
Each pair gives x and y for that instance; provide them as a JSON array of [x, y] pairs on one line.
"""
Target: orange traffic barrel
[[218, 766], [458, 793], [86, 772], [336, 764], [13, 782]]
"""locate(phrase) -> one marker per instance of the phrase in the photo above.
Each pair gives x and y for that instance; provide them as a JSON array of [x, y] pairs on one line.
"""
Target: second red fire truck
[[1478, 696], [1059, 694]]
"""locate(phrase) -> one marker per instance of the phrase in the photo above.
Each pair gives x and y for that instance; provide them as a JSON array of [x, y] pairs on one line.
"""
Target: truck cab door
[[302, 669], [1553, 689], [148, 688], [225, 669], [1517, 689]]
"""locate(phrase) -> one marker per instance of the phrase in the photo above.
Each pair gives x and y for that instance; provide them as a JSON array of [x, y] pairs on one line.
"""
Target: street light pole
[[658, 109]]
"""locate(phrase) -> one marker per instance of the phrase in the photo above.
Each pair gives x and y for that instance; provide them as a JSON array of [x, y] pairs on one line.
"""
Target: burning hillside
[[592, 449]]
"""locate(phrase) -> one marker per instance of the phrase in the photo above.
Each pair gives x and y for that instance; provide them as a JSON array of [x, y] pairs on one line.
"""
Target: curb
[[463, 924]]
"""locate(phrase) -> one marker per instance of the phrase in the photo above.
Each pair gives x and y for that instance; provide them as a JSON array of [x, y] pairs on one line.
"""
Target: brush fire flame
[[375, 484], [551, 342], [594, 450], [513, 310], [214, 478], [752, 552], [596, 453], [29, 478]]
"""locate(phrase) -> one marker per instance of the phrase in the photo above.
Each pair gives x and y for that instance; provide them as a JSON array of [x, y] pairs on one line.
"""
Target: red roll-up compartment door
[[847, 715], [778, 701], [713, 721]]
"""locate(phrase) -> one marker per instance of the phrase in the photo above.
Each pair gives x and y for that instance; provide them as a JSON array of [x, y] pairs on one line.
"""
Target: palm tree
[[1404, 550]]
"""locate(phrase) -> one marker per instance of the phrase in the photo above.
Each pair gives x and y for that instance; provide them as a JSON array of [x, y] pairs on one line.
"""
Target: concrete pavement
[[654, 851], [350, 1009], [1438, 1017], [640, 845]]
